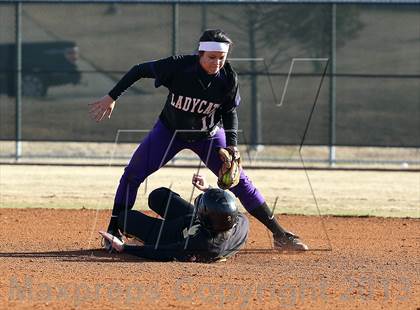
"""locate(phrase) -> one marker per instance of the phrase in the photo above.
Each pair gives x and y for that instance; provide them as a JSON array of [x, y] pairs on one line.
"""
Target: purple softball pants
[[160, 146]]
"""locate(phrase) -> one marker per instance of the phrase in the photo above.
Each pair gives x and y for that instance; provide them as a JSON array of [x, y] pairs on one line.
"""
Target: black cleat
[[289, 242]]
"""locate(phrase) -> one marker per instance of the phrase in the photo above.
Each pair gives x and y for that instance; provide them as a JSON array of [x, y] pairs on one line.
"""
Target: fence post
[[18, 77], [255, 103], [175, 27], [332, 157], [203, 17]]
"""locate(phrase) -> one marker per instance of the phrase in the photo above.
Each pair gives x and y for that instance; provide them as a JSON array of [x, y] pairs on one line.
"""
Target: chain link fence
[[74, 52]]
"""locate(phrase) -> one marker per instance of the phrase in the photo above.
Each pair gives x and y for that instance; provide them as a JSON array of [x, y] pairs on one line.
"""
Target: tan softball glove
[[230, 171]]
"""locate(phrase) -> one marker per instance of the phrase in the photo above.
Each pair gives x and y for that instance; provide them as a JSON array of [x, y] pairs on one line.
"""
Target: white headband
[[211, 46]]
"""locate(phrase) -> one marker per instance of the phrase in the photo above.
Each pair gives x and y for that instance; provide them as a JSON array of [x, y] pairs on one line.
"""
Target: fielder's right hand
[[101, 108]]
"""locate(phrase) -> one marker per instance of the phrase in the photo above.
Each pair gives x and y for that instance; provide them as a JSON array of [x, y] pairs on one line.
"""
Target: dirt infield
[[51, 259]]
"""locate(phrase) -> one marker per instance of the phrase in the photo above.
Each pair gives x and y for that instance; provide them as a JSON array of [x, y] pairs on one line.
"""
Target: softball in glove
[[230, 171]]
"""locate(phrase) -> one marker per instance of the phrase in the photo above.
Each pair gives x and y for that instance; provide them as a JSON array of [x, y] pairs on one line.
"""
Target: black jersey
[[202, 245], [197, 102]]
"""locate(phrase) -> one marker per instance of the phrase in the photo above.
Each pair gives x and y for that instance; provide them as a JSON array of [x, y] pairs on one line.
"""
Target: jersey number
[[204, 121]]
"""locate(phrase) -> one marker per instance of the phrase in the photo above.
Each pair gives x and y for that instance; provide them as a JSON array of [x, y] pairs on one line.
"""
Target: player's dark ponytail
[[218, 35]]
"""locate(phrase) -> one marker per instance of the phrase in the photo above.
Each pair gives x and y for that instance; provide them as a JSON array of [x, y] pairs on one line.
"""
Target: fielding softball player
[[203, 97], [217, 232]]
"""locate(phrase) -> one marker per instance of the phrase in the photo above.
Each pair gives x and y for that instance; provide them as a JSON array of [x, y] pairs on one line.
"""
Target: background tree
[[271, 30]]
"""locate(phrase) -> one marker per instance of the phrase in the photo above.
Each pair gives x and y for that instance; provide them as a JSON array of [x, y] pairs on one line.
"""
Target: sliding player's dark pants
[[176, 214]]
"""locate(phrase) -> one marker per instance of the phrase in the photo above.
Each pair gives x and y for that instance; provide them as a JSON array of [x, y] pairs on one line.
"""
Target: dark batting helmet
[[216, 210]]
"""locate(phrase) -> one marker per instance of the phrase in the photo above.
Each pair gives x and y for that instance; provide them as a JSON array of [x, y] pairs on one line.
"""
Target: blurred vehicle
[[44, 64]]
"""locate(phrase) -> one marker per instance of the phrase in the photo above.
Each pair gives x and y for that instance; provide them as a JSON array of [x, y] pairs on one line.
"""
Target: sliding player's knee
[[158, 198]]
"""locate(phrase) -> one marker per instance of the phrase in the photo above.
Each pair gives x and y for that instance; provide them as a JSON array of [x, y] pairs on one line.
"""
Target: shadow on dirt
[[88, 255]]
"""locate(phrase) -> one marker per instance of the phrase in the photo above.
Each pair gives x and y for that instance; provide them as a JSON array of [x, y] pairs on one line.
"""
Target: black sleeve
[[163, 253], [196, 250], [233, 100], [230, 124], [230, 117], [161, 70], [202, 247], [137, 72]]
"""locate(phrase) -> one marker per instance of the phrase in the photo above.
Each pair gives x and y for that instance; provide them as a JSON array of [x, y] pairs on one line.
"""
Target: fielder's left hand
[[233, 150], [231, 154]]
